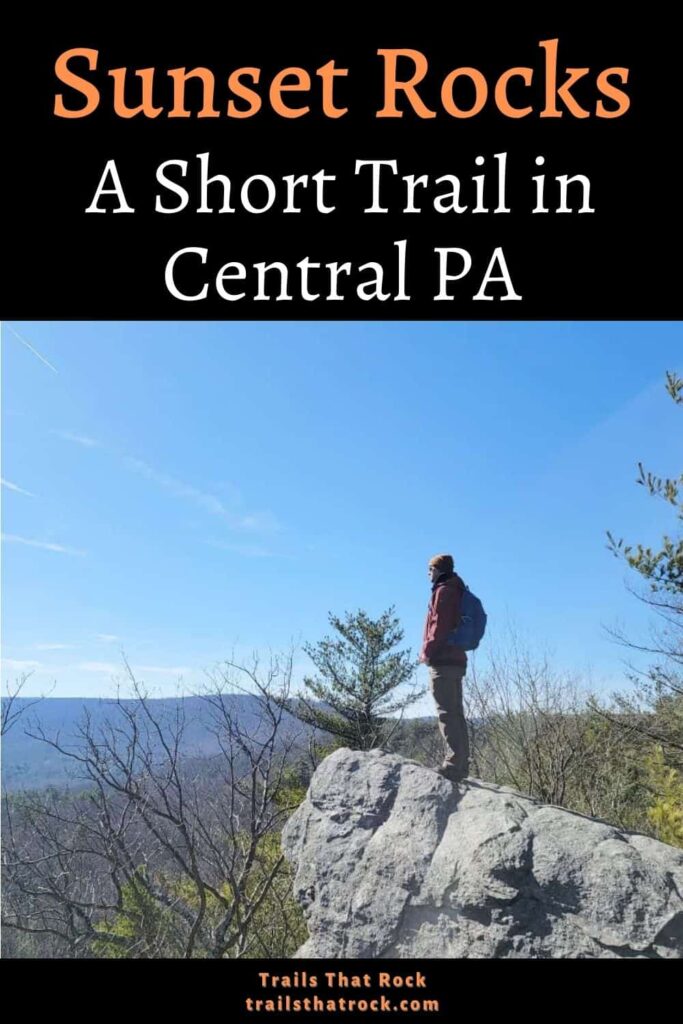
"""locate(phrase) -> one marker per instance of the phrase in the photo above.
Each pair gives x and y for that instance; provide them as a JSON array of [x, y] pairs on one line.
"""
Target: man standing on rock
[[447, 665]]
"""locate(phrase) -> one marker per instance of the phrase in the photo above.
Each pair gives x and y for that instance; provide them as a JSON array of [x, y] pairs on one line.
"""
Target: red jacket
[[443, 615]]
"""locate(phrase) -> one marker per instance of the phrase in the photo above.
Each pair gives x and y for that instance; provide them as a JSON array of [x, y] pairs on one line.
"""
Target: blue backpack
[[472, 626]]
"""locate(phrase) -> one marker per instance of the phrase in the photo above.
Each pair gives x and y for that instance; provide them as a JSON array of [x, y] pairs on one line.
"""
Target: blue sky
[[182, 491]]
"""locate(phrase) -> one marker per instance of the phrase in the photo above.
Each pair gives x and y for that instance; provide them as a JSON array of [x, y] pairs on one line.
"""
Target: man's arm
[[446, 611]]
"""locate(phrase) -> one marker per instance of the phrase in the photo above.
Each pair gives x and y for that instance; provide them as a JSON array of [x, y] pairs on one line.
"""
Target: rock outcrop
[[392, 860]]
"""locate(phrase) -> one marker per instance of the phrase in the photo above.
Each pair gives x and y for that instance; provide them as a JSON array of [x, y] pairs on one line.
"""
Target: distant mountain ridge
[[29, 763]]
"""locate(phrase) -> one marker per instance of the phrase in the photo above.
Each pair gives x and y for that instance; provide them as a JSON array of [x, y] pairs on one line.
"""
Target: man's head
[[439, 564]]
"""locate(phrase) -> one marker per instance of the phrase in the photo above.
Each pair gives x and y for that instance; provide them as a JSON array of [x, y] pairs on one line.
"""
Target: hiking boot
[[450, 772]]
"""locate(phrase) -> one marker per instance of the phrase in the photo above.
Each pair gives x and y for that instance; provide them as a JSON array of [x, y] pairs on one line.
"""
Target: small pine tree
[[362, 687], [660, 689], [663, 567]]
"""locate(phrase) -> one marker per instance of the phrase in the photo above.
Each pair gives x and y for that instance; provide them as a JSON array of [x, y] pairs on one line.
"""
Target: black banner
[[442, 168]]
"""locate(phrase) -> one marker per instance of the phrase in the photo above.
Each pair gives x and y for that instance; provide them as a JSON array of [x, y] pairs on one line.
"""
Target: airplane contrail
[[32, 349], [15, 487]]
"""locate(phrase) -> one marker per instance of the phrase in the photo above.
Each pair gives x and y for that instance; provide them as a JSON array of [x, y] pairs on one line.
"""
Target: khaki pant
[[446, 683]]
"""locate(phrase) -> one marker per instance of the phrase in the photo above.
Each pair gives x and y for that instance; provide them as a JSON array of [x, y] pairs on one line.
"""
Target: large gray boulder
[[392, 860]]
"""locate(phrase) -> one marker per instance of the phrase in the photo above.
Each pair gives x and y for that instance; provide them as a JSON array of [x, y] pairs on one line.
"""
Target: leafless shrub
[[161, 854]]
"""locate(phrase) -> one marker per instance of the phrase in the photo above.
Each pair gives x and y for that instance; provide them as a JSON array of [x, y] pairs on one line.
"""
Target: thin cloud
[[255, 522], [174, 670], [15, 487], [85, 442], [264, 521], [21, 666], [55, 647], [209, 502], [32, 349], [12, 538], [107, 638], [110, 667], [246, 550]]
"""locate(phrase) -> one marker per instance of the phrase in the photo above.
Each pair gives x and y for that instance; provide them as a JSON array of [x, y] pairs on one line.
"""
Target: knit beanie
[[444, 563]]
